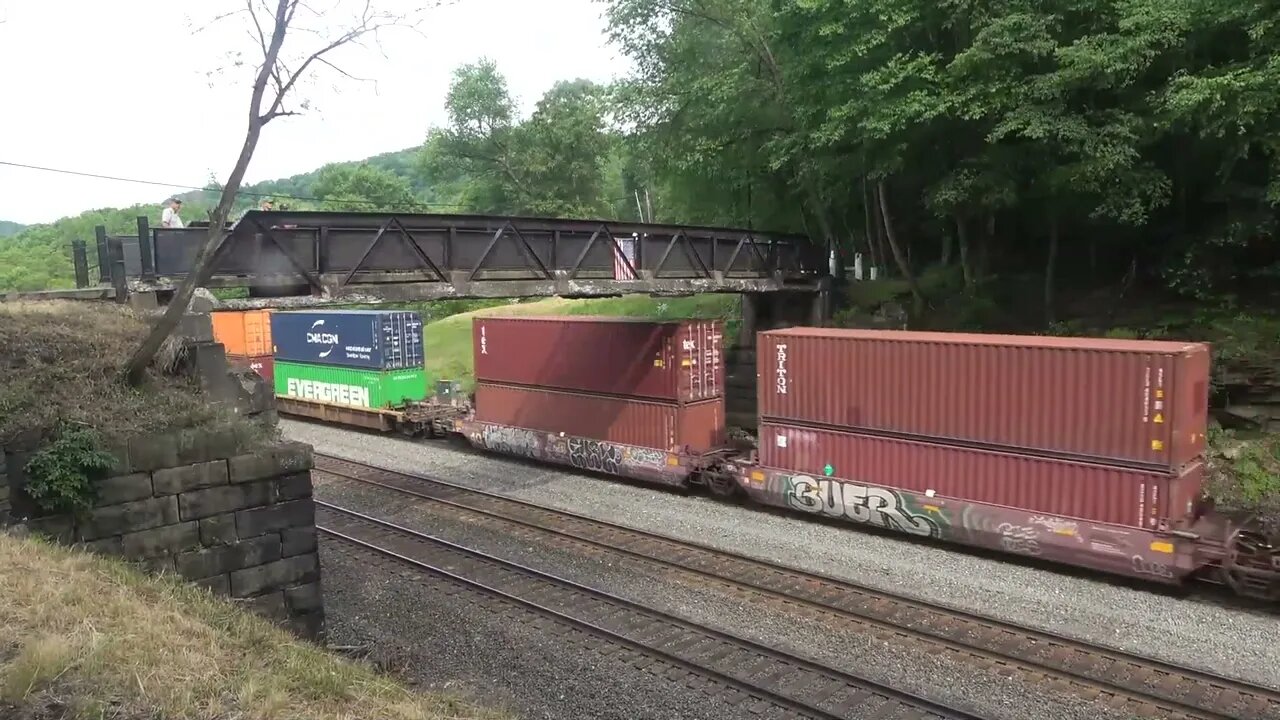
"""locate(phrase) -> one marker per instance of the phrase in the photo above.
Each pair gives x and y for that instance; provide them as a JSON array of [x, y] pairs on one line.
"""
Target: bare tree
[[274, 84]]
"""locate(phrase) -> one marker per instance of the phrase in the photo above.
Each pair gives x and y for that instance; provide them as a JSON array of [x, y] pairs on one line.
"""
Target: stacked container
[[359, 358], [651, 384], [246, 336], [1113, 429]]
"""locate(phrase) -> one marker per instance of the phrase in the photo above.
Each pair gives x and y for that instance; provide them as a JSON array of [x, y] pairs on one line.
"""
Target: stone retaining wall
[[242, 525]]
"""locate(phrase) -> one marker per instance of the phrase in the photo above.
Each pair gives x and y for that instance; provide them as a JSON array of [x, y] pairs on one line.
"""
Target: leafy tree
[[362, 188]]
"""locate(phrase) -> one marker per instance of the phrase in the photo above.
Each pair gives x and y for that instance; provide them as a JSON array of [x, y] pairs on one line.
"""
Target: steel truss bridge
[[290, 259]]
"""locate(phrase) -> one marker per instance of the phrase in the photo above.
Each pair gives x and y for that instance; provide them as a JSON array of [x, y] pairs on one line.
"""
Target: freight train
[[1086, 452]]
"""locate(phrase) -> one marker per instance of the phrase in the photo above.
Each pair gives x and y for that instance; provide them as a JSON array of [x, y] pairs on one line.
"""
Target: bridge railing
[[336, 249]]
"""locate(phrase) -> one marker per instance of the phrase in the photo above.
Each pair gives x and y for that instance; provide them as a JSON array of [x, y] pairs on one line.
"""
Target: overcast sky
[[120, 88]]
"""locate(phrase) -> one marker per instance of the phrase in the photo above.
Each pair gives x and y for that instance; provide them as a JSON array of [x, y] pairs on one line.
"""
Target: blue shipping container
[[377, 339]]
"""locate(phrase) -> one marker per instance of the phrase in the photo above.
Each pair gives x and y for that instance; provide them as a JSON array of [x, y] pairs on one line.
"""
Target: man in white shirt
[[169, 218]]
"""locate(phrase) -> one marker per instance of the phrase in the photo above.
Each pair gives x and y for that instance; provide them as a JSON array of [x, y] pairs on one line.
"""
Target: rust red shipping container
[[671, 427], [1140, 403], [677, 361], [1088, 491]]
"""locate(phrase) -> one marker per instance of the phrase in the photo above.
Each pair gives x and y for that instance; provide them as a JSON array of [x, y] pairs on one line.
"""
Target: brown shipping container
[[244, 333], [1125, 401], [678, 360], [671, 427], [264, 365], [1089, 491]]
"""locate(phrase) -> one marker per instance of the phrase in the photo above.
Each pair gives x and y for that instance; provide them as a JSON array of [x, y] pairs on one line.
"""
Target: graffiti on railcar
[[645, 457], [1058, 526], [859, 503], [509, 440], [1144, 566], [1019, 539], [594, 455]]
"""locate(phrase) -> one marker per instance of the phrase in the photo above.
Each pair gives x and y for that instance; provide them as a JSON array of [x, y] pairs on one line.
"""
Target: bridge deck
[[302, 258]]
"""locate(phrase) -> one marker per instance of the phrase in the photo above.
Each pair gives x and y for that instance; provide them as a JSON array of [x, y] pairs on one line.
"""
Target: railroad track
[[741, 666], [1125, 681]]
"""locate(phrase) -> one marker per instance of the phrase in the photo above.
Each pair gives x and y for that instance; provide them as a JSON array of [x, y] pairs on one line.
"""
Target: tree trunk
[[135, 370], [881, 260], [917, 297], [966, 257], [948, 247], [873, 256], [1050, 269]]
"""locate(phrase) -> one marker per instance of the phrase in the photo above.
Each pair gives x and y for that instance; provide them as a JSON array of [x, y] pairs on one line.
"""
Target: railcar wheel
[[1252, 567], [722, 485]]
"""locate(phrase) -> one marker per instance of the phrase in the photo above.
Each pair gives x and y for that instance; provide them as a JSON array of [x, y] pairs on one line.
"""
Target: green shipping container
[[350, 386]]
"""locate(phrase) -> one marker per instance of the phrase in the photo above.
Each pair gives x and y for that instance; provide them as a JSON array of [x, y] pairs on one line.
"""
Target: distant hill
[[8, 228], [399, 162]]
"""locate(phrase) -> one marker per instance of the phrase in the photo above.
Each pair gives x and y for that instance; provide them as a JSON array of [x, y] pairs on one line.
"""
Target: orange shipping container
[[243, 332]]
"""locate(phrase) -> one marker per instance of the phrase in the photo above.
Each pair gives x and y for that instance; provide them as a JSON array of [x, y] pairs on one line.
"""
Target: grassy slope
[[61, 360], [88, 637], [448, 341]]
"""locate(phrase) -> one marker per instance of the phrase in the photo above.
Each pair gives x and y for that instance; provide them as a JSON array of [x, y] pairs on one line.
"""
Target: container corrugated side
[[243, 333], [1131, 402], [264, 365], [672, 427], [355, 387], [385, 340], [1089, 491], [662, 360]]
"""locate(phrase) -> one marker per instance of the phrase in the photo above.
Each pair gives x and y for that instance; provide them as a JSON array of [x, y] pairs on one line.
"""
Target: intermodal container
[[1138, 403], [671, 427], [244, 333], [354, 387], [371, 339], [264, 365], [1065, 488], [662, 360]]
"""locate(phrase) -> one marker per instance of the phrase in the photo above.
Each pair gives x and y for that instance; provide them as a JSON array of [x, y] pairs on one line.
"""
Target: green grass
[[448, 341]]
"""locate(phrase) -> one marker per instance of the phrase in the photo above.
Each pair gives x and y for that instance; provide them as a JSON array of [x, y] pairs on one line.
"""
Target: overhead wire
[[246, 193], [184, 186]]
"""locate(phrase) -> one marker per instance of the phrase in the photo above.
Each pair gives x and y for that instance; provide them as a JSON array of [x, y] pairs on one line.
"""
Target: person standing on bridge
[[169, 218]]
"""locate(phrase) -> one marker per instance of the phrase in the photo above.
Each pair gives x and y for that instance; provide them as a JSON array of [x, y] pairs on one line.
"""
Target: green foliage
[[362, 188], [8, 227], [1244, 470], [61, 475]]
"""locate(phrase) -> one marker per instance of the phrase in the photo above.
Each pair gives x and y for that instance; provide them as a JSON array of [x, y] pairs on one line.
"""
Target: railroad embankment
[[86, 636]]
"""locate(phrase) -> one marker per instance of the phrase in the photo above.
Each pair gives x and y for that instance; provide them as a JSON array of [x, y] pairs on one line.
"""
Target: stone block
[[218, 530], [271, 605], [123, 488], [144, 301], [297, 540], [152, 452], [198, 446], [196, 327], [60, 528], [227, 498], [162, 564], [296, 513], [290, 457], [218, 584], [278, 574], [129, 517], [171, 481], [304, 598], [167, 540], [112, 546], [293, 487], [228, 558]]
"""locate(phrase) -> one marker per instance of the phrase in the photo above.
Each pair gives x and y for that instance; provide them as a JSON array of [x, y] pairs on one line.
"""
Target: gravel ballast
[[654, 586], [1225, 640], [439, 639]]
